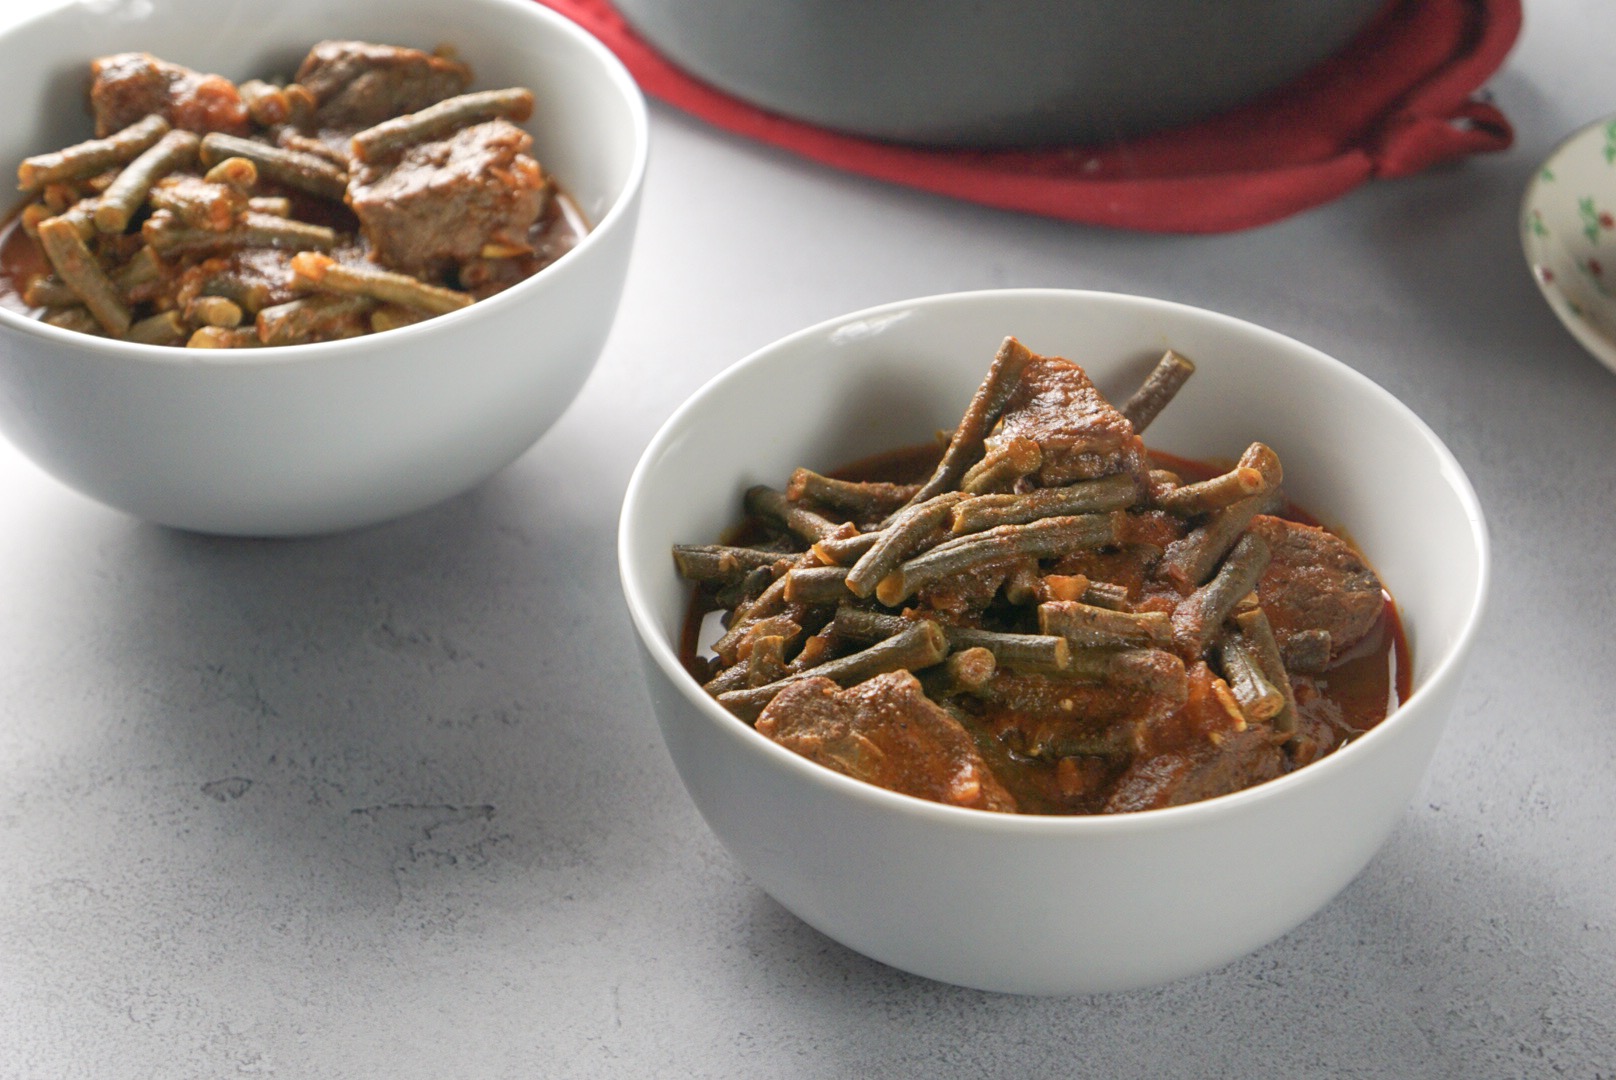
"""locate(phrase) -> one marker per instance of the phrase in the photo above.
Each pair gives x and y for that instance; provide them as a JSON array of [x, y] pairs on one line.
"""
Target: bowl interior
[[1353, 455], [585, 128]]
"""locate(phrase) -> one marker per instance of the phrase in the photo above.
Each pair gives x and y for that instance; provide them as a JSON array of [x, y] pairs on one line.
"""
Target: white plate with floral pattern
[[1568, 228]]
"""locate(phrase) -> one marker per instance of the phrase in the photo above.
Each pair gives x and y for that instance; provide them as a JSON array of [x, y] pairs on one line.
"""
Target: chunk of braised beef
[[356, 84], [1038, 716], [885, 731], [128, 87], [1201, 749], [1241, 760], [445, 202], [1316, 581], [1081, 435]]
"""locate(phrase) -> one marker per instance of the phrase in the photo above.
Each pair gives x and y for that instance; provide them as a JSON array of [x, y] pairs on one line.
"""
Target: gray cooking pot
[[997, 72]]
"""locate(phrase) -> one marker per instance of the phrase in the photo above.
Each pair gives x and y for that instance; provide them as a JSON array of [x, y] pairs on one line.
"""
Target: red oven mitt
[[1397, 100]]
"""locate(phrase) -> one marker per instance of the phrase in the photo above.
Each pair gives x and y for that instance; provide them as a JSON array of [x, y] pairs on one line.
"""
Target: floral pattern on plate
[[1568, 228]]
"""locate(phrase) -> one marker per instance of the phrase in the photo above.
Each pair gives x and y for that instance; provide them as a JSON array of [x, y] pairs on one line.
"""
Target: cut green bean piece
[[733, 677], [30, 217], [394, 317], [435, 121], [250, 293], [1155, 671], [968, 670], [1198, 617], [167, 237], [919, 646], [1258, 635], [201, 204], [1022, 583], [76, 318], [765, 502], [312, 318], [1043, 539], [272, 205], [321, 272], [266, 103], [76, 266], [1106, 594], [1163, 383], [294, 168], [81, 215], [48, 291], [1085, 497], [234, 172], [901, 538], [965, 447], [164, 328], [91, 157], [859, 624], [1001, 466], [143, 270], [846, 550], [214, 311], [1257, 473], [120, 202], [1307, 652], [1259, 699], [1086, 625], [719, 564], [222, 337], [766, 663], [1190, 560], [861, 500], [1031, 652], [816, 585]]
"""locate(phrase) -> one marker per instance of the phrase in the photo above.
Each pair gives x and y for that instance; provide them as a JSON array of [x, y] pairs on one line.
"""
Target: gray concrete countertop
[[393, 804]]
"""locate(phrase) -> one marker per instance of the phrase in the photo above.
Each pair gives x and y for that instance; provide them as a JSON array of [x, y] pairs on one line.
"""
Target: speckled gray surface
[[392, 803]]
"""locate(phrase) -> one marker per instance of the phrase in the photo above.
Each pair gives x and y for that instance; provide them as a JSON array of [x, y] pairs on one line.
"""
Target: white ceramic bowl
[[315, 438], [1054, 905]]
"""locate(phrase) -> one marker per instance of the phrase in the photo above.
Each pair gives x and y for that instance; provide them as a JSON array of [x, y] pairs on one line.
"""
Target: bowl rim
[[664, 655], [617, 76]]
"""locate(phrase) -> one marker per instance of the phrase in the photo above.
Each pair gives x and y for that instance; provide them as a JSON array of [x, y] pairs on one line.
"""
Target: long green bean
[[919, 646], [119, 203], [989, 401], [1163, 383], [295, 168], [1198, 617], [434, 121], [313, 270], [78, 269], [1042, 539], [92, 156]]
